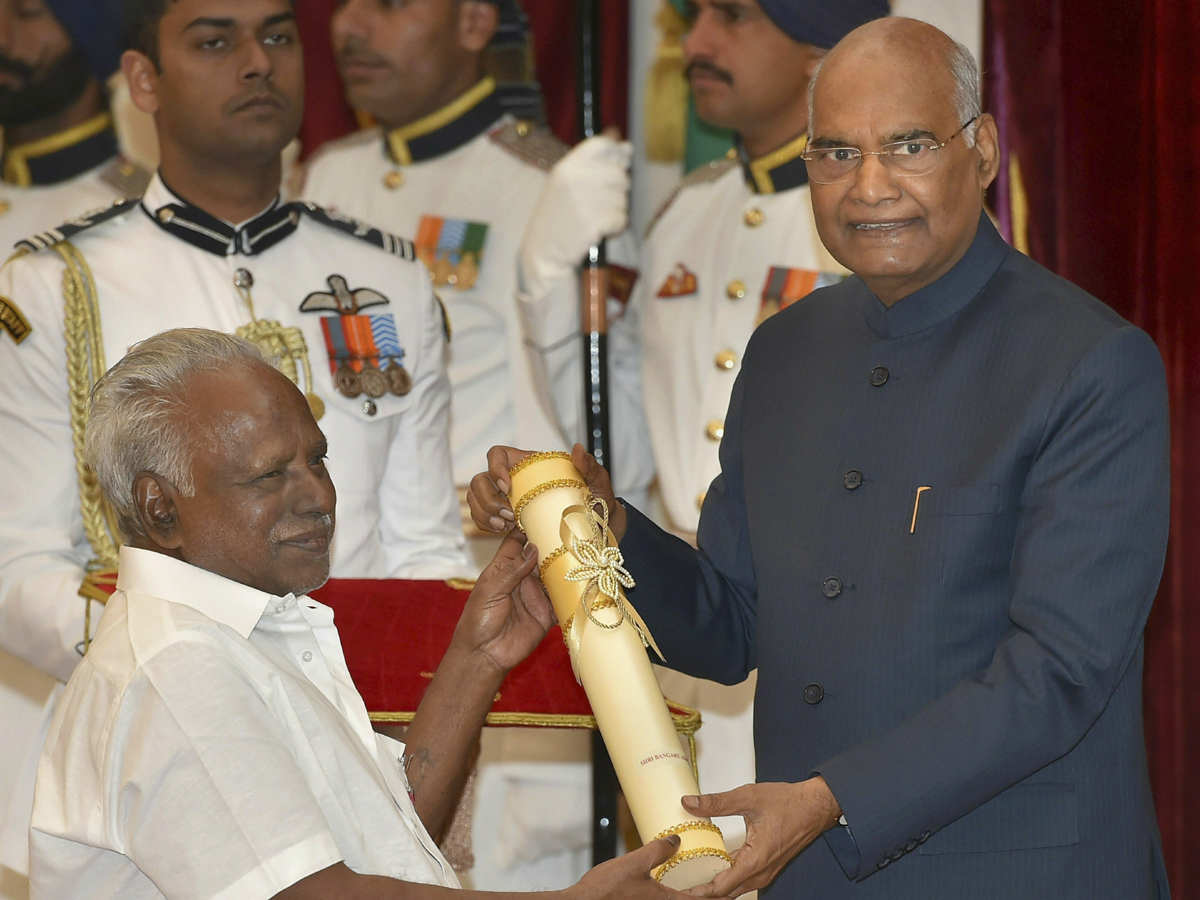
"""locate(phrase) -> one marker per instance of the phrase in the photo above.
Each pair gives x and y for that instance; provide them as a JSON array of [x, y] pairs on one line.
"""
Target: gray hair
[[966, 97], [138, 423]]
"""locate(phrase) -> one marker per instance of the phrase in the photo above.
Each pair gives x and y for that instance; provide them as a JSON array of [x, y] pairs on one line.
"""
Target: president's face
[[898, 232], [742, 69], [262, 512], [41, 71], [230, 80]]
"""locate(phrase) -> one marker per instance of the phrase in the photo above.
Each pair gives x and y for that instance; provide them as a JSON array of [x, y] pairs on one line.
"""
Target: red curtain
[[1099, 101], [553, 23]]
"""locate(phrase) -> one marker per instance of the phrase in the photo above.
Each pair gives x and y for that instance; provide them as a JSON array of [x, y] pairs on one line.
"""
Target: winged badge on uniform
[[785, 286], [452, 250], [365, 356]]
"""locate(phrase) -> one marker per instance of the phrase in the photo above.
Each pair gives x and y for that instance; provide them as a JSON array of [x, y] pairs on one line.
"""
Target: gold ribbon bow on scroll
[[601, 571]]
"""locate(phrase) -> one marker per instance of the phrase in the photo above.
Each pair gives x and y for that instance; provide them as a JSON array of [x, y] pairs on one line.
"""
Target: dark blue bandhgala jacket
[[937, 534]]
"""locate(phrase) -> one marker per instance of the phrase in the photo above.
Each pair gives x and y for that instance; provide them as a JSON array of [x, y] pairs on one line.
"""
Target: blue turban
[[97, 29], [822, 23]]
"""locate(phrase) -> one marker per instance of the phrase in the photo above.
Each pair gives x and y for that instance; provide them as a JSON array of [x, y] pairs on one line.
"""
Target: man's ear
[[987, 142], [142, 76], [477, 24], [154, 506]]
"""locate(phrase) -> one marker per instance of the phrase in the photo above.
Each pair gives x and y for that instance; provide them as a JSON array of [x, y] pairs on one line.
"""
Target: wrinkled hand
[[508, 612], [488, 495], [781, 820], [628, 876], [584, 200]]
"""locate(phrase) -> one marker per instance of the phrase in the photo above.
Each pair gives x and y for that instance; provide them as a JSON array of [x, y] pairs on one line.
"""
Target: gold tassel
[[667, 91]]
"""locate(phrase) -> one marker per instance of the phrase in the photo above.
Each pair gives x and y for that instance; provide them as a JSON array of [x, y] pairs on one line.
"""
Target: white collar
[[157, 575]]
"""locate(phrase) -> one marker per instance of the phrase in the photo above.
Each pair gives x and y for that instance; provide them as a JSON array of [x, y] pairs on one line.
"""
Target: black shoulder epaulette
[[68, 230], [397, 246], [531, 143], [703, 175], [127, 178]]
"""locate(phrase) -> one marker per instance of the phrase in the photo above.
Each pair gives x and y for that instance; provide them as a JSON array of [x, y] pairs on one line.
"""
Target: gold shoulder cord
[[85, 365]]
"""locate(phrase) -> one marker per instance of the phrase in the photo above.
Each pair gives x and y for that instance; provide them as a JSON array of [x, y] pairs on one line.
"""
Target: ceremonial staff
[[594, 295]]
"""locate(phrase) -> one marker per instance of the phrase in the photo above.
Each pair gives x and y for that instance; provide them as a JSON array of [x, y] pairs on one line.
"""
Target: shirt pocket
[[1025, 817]]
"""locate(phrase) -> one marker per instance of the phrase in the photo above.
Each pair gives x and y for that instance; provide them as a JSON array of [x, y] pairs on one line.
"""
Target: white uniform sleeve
[[551, 321], [420, 522], [195, 783], [43, 550]]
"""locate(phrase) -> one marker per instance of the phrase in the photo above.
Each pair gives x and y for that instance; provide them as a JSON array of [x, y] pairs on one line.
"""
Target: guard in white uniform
[[462, 179], [734, 244], [58, 158], [346, 308], [454, 169]]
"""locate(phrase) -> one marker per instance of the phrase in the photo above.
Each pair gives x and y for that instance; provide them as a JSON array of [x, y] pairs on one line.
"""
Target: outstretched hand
[[488, 495], [508, 612], [628, 877], [781, 820]]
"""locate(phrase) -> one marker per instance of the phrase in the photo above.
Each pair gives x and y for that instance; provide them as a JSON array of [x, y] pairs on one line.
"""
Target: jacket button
[[393, 179], [754, 217], [726, 360], [879, 376], [814, 694], [715, 430], [853, 479], [883, 863], [370, 408], [924, 837], [831, 587], [911, 846], [736, 289], [896, 854], [243, 278]]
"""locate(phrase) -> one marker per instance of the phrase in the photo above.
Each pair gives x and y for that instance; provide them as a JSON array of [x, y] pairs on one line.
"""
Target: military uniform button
[[700, 499], [243, 278], [754, 217], [814, 694], [522, 128], [715, 430], [831, 587], [370, 408], [852, 479], [393, 179], [736, 289], [5, 206], [879, 376], [166, 215], [726, 360]]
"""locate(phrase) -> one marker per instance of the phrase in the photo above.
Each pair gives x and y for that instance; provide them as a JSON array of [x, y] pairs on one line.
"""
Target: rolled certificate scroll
[[583, 572]]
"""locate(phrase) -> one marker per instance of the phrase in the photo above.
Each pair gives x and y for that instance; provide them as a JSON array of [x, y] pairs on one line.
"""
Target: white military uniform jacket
[[44, 183], [162, 264], [463, 183], [735, 243]]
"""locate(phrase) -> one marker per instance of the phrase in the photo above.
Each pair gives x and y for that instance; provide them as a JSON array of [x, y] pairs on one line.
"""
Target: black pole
[[594, 295]]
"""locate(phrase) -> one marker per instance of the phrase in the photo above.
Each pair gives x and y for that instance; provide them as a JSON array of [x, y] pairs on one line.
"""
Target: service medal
[[347, 382], [399, 381], [374, 384]]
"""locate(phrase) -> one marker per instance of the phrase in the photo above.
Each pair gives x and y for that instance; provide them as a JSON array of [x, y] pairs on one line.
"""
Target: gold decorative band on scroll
[[544, 487], [688, 826], [686, 855], [537, 458]]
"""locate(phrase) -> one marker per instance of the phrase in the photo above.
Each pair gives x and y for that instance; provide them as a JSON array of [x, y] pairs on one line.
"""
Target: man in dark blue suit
[[938, 531]]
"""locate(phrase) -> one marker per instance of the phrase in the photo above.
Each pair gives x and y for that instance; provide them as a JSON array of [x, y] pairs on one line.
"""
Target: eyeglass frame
[[883, 151]]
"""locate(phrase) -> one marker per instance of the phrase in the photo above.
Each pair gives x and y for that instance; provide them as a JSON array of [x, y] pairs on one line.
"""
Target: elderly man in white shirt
[[211, 744]]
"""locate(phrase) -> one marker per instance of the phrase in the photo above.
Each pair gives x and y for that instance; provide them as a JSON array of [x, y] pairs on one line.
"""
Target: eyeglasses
[[919, 156]]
